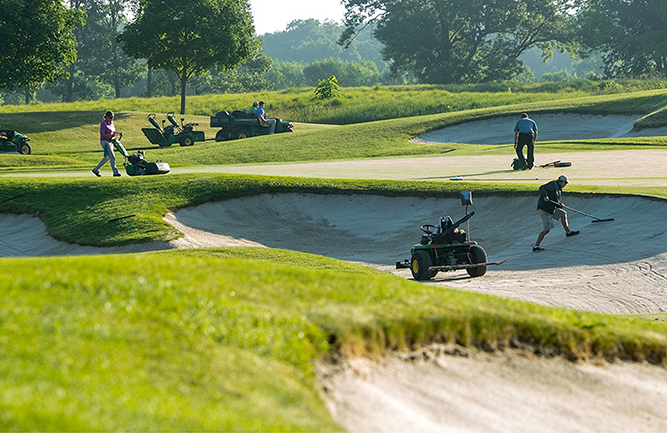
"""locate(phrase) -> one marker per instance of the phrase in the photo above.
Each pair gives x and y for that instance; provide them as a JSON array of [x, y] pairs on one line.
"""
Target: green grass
[[69, 139], [362, 104], [132, 342]]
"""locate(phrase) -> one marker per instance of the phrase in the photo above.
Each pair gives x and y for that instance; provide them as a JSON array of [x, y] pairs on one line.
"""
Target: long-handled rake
[[7, 197], [595, 219]]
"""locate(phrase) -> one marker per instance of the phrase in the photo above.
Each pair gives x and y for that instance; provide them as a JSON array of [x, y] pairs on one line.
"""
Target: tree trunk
[[184, 81], [149, 83]]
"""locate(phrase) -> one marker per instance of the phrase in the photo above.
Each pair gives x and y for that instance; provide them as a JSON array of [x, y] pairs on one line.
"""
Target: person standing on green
[[107, 133], [525, 134]]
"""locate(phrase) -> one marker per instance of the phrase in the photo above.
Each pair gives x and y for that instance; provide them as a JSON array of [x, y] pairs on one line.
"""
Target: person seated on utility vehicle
[[259, 113], [253, 108]]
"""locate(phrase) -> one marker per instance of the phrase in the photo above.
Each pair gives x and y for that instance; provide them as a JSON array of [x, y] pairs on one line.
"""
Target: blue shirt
[[525, 125], [259, 112]]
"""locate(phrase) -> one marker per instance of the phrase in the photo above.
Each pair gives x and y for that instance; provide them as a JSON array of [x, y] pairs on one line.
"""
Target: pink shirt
[[106, 128]]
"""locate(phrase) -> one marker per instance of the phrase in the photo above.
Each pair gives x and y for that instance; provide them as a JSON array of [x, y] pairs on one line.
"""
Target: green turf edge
[[131, 342], [79, 210]]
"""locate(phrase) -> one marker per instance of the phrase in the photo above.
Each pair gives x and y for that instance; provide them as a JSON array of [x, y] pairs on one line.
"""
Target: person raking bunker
[[550, 208]]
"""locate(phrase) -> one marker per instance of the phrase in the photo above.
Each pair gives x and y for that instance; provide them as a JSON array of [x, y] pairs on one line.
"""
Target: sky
[[272, 16]]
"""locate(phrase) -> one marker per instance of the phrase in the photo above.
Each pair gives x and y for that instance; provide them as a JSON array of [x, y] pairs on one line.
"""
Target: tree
[[631, 34], [36, 41], [191, 37], [101, 65], [349, 74], [104, 56], [248, 77], [311, 40], [284, 75], [452, 41]]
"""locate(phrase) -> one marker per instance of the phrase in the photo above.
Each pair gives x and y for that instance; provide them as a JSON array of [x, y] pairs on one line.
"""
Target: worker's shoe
[[572, 233], [537, 249], [118, 175], [96, 173]]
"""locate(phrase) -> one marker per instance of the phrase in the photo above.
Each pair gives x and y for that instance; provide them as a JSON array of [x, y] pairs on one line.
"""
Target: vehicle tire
[[419, 263], [220, 135], [242, 133], [477, 255], [24, 148], [186, 140]]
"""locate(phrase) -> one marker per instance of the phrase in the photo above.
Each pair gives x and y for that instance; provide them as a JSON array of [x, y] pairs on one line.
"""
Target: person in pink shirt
[[107, 132]]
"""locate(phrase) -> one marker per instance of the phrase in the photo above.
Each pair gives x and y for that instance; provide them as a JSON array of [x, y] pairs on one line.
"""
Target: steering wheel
[[428, 228]]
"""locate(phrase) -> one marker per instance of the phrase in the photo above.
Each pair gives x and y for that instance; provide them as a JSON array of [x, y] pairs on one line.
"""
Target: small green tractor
[[241, 124], [12, 141], [166, 135], [444, 247]]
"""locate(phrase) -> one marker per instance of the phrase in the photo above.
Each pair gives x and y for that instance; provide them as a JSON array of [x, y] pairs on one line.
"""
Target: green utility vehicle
[[12, 141], [445, 247], [165, 136], [241, 124]]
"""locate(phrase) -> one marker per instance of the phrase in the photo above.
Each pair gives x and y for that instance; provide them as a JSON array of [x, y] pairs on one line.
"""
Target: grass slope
[[134, 343], [68, 139]]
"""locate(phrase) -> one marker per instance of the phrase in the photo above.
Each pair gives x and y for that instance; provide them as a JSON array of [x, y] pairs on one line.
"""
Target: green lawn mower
[[444, 247], [241, 124], [166, 135], [12, 141], [136, 164]]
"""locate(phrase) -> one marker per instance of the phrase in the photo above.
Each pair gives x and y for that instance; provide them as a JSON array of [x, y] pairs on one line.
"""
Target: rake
[[595, 219]]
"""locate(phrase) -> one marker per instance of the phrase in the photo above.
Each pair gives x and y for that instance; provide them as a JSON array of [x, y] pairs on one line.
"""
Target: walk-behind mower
[[12, 141], [241, 124], [445, 247], [166, 135], [136, 164]]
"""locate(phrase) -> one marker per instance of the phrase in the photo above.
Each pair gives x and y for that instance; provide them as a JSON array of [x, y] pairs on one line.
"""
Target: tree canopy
[[311, 41], [190, 37], [36, 41], [631, 34], [454, 41]]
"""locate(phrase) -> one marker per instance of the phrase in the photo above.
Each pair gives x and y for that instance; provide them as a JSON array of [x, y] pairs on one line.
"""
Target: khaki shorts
[[548, 218]]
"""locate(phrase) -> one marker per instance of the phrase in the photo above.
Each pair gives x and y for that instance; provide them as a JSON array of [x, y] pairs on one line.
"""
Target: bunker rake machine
[[444, 247]]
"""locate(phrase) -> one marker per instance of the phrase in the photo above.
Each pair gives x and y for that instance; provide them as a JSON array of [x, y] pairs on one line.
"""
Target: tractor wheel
[[419, 264], [477, 255], [242, 133], [24, 148], [220, 135], [186, 140]]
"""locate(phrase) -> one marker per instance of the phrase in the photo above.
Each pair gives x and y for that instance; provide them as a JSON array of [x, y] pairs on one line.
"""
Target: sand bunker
[[617, 267], [614, 267], [611, 267], [562, 126]]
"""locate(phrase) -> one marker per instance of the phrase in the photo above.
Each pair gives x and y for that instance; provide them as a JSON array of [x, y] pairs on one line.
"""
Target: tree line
[[92, 49]]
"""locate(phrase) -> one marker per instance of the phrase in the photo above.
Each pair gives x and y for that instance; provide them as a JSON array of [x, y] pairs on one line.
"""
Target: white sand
[[551, 126]]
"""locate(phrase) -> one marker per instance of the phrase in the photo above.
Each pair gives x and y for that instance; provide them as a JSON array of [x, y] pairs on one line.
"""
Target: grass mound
[[225, 339]]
